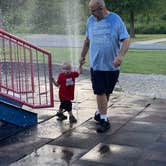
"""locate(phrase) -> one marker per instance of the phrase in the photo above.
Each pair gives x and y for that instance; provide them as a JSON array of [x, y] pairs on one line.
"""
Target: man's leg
[[108, 97], [102, 101], [102, 106]]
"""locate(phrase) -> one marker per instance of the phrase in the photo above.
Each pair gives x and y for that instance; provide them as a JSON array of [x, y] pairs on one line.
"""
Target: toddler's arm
[[55, 82]]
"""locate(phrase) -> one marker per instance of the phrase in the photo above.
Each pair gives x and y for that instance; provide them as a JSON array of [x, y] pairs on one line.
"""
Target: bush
[[150, 29]]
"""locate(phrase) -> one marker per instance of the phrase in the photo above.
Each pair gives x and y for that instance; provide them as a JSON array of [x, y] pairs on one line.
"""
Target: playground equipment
[[25, 79]]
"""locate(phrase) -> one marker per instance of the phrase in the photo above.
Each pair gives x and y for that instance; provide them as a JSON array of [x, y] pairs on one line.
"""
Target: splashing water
[[72, 16]]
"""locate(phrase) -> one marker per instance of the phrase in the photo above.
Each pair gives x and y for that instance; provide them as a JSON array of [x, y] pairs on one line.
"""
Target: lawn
[[64, 54], [145, 61], [135, 61]]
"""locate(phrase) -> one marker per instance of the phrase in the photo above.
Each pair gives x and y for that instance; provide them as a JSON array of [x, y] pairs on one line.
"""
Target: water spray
[[72, 30]]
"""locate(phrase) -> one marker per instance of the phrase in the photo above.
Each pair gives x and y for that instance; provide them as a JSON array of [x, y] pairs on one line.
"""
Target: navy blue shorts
[[103, 82], [66, 105]]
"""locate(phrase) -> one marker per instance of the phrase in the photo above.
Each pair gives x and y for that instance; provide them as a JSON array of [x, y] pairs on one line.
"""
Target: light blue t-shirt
[[105, 36]]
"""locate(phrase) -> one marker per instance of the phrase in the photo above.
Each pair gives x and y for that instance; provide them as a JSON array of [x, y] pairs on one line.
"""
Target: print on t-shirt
[[69, 82]]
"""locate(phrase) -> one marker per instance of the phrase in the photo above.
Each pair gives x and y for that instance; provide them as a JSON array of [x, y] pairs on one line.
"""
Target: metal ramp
[[25, 79], [12, 112]]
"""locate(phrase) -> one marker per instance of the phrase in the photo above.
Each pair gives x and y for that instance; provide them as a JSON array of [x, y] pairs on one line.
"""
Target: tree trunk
[[1, 21], [132, 29]]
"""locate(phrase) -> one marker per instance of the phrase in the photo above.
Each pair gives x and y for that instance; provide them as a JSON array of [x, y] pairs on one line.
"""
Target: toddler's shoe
[[61, 116], [72, 119], [59, 113]]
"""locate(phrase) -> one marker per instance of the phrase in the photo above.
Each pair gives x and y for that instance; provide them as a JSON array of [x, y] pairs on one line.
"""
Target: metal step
[[11, 112]]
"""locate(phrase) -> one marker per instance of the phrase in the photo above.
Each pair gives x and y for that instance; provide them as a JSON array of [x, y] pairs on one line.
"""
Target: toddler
[[66, 84]]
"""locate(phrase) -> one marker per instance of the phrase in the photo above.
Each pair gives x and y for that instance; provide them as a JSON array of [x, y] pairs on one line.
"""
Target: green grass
[[145, 61], [135, 61], [60, 55], [163, 42]]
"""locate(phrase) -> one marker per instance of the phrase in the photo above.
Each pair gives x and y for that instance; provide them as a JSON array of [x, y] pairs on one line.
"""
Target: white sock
[[97, 112], [104, 116]]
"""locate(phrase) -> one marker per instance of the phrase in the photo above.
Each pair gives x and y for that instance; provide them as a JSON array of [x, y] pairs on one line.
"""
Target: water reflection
[[67, 155], [104, 150]]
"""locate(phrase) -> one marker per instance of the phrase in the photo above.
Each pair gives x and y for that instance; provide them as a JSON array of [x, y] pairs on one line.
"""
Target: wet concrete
[[137, 136]]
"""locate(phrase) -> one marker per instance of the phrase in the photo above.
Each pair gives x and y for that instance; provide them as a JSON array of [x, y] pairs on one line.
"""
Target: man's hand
[[84, 51], [80, 69], [118, 60]]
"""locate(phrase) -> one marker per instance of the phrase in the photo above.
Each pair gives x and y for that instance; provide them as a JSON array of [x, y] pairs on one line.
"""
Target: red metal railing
[[25, 72]]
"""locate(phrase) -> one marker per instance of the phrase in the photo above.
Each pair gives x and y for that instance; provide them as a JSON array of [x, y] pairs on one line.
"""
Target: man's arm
[[80, 70], [84, 51], [125, 45]]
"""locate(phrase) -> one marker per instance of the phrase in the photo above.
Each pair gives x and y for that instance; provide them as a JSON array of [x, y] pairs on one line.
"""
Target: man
[[108, 41]]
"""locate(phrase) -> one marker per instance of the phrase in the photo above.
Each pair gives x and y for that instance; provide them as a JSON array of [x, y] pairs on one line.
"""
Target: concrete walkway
[[66, 41], [155, 44], [154, 41], [137, 136]]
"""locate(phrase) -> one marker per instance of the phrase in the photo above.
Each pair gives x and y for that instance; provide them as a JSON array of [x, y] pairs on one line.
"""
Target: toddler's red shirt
[[66, 83]]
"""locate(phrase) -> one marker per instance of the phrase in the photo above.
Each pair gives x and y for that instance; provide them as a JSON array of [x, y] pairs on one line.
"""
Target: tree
[[8, 12], [47, 16], [58, 16], [131, 8]]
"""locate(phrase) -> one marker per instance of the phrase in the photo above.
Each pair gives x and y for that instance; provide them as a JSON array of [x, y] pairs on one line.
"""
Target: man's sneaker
[[61, 116], [104, 126], [97, 117], [72, 119]]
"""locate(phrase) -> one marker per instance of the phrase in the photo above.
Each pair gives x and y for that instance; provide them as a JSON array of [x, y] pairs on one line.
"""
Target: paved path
[[137, 136], [150, 44], [65, 41], [54, 41]]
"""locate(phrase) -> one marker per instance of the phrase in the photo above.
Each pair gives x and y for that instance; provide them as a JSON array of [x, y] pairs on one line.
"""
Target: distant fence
[[25, 72]]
